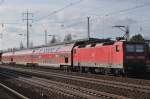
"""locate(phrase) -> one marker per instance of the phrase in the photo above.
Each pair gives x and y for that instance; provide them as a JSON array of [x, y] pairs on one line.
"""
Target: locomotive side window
[[117, 48], [130, 48], [139, 48]]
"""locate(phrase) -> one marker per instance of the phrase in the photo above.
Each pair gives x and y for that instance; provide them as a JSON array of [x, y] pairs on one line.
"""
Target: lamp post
[[45, 37], [88, 27]]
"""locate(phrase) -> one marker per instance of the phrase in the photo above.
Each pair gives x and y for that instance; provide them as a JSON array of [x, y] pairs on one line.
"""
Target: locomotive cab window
[[130, 48], [139, 48]]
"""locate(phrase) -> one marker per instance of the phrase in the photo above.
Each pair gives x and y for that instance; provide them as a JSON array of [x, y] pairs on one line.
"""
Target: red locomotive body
[[100, 56], [117, 57]]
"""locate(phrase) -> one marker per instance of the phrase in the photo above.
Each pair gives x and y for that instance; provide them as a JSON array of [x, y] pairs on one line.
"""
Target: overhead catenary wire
[[109, 14], [74, 3], [59, 10], [123, 10], [117, 12], [54, 12], [128, 9]]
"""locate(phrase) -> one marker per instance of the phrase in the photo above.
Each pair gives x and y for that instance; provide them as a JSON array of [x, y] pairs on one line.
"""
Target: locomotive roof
[[94, 40], [72, 43], [75, 42]]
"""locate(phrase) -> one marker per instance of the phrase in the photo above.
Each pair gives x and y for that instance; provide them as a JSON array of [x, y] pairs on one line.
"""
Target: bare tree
[[68, 38], [54, 40], [137, 38]]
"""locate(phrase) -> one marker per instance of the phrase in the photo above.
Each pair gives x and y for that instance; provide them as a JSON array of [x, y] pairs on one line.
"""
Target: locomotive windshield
[[130, 48], [134, 48], [139, 48]]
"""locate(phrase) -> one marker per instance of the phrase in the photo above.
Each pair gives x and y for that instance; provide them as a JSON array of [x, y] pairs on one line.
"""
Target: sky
[[62, 17]]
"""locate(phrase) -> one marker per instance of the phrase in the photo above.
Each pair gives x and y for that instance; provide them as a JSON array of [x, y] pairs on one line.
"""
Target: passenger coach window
[[139, 48], [130, 48]]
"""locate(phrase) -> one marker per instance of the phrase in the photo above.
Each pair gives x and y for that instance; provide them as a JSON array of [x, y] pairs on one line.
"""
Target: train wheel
[[107, 71], [92, 70], [81, 69], [65, 68], [118, 72], [68, 69], [87, 69], [84, 69], [102, 71], [61, 67], [98, 70], [76, 69]]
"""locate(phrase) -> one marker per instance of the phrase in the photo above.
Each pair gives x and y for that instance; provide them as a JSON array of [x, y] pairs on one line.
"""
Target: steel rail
[[74, 90], [15, 93], [80, 89], [122, 85]]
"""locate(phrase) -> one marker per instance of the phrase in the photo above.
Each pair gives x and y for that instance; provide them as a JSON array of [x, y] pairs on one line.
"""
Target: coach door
[[66, 60]]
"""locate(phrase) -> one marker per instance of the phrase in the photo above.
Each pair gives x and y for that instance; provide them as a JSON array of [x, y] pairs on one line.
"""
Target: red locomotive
[[93, 55]]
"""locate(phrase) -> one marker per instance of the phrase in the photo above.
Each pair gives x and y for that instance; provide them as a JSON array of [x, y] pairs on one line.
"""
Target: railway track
[[61, 88], [133, 80], [122, 85], [14, 93], [91, 80], [119, 88]]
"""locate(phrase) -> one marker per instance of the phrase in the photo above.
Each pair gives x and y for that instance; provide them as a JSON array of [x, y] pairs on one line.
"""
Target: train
[[92, 55]]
